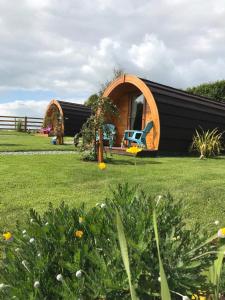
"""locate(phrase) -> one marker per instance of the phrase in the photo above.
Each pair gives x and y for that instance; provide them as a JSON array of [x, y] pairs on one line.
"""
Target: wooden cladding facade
[[175, 114]]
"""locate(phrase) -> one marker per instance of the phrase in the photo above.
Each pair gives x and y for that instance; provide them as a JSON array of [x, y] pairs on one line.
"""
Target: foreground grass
[[33, 181], [19, 141]]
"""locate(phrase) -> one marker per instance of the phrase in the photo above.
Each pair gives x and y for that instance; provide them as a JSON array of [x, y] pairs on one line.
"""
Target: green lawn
[[33, 181], [19, 141]]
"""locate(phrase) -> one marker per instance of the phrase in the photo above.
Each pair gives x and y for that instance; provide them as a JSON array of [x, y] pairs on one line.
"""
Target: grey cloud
[[70, 47]]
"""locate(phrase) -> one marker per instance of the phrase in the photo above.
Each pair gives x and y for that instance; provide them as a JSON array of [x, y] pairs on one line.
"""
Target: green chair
[[138, 136]]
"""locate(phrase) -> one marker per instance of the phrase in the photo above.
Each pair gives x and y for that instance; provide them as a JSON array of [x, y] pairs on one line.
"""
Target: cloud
[[21, 108], [68, 48]]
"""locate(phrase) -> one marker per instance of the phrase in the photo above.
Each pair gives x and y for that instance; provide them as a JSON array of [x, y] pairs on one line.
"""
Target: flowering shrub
[[75, 253]]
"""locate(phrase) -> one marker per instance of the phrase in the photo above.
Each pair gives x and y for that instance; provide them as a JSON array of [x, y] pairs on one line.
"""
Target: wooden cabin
[[65, 118], [175, 113]]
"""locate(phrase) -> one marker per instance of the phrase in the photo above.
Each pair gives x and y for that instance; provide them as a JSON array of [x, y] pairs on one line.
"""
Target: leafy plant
[[100, 108], [19, 125], [78, 253], [207, 143], [214, 90]]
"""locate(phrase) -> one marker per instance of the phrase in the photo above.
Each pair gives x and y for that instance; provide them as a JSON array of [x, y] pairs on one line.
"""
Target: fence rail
[[26, 123]]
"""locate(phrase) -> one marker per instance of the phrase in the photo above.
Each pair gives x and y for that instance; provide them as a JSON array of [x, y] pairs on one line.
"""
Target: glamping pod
[[65, 118], [175, 113]]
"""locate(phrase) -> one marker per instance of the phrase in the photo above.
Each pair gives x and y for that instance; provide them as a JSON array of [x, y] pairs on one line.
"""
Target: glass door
[[137, 103]]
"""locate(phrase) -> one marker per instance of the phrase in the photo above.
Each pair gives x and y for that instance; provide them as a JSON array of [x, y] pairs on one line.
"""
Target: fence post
[[15, 123], [25, 124]]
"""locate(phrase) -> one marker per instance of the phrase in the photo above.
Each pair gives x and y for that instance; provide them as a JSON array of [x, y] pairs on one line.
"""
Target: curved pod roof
[[143, 88], [73, 115]]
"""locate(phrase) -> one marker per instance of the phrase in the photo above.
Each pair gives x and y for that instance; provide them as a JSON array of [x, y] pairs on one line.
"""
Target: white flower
[[31, 240], [46, 224], [103, 205], [17, 249], [221, 233], [79, 274], [217, 222], [59, 277], [36, 284], [31, 220], [159, 279], [24, 231], [25, 235], [39, 254]]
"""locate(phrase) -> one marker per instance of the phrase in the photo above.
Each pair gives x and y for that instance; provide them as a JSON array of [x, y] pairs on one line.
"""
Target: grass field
[[34, 181], [19, 141]]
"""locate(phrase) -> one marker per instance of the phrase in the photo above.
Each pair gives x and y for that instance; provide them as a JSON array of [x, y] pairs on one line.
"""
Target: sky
[[67, 49]]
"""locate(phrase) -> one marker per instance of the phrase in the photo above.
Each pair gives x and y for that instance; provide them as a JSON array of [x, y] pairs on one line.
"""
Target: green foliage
[[207, 143], [91, 265], [165, 292], [19, 125], [124, 253], [214, 90], [215, 273]]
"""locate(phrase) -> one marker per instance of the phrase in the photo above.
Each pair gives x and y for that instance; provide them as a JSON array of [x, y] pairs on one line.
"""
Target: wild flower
[[79, 274], [7, 236], [59, 277], [36, 284], [32, 240], [81, 220], [32, 220], [17, 249], [24, 231], [39, 254], [103, 205], [46, 224], [221, 233], [134, 150], [216, 222], [78, 233], [102, 166]]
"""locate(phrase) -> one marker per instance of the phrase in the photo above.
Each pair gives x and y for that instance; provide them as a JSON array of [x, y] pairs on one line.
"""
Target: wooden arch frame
[[137, 82], [56, 103]]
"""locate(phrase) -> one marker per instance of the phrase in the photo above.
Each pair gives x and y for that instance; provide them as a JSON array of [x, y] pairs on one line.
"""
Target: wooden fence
[[27, 123]]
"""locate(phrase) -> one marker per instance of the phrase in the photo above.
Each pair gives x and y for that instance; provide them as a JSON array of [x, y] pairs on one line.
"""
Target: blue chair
[[109, 132], [138, 136]]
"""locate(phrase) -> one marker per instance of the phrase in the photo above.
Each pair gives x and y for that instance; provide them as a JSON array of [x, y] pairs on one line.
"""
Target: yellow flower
[[221, 233], [78, 234], [81, 220], [7, 236], [102, 166], [134, 150]]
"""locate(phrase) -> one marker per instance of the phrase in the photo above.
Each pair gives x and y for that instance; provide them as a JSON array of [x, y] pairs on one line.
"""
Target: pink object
[[46, 130]]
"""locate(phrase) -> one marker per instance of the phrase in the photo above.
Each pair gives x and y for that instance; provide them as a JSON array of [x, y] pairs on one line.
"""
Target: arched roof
[[145, 90]]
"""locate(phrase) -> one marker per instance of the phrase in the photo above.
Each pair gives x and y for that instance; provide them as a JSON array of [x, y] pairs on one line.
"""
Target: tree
[[100, 106], [214, 90]]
